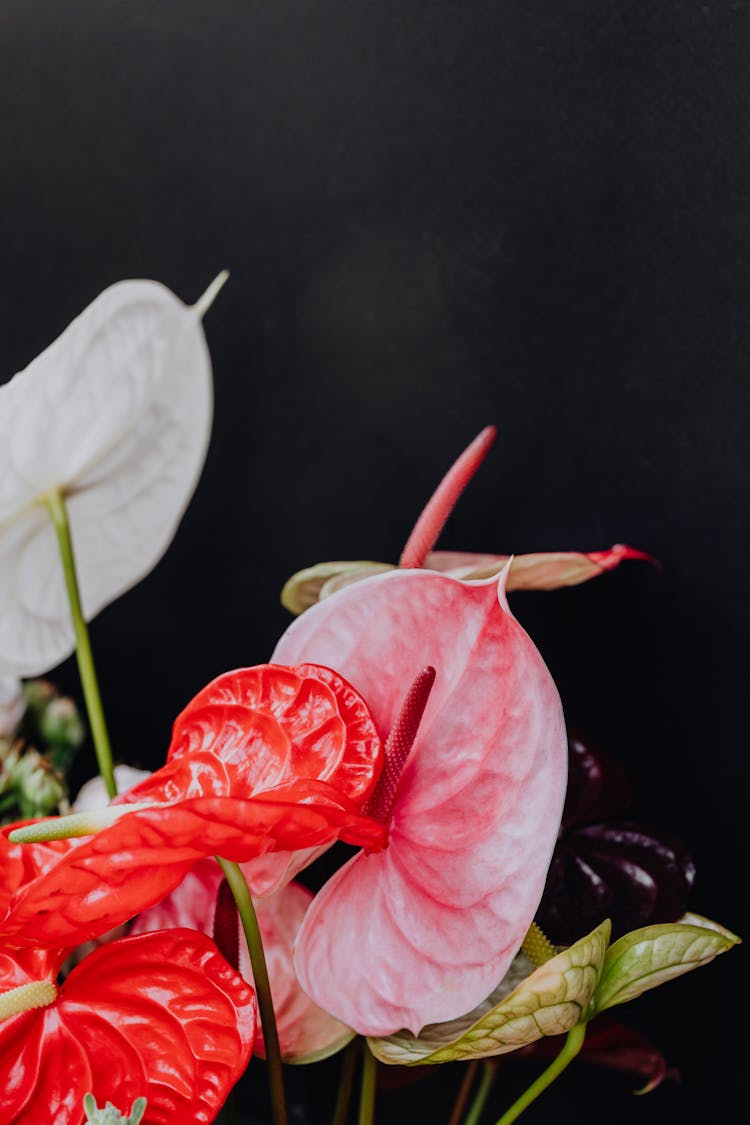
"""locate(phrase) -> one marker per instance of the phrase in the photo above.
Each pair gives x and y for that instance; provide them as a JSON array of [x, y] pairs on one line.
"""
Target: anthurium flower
[[241, 781], [115, 415], [631, 873], [424, 930], [306, 1032], [160, 1016], [539, 571], [542, 570], [255, 728]]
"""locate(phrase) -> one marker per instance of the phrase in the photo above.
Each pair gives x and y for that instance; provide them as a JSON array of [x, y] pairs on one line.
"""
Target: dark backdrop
[[437, 215]]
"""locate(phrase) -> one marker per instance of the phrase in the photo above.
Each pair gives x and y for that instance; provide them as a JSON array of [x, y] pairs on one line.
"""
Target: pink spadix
[[398, 747], [444, 499]]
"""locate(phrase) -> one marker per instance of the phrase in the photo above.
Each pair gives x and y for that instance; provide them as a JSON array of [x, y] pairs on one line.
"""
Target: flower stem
[[346, 1084], [480, 1098], [56, 508], [571, 1047], [367, 1092], [470, 1072], [239, 889]]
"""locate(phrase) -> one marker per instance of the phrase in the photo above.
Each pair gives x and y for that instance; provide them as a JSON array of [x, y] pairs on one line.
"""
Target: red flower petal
[[161, 1015], [108, 878], [261, 727], [304, 1029], [256, 728], [422, 932]]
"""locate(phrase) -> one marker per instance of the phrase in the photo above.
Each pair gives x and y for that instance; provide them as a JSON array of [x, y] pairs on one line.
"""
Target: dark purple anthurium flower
[[609, 868]]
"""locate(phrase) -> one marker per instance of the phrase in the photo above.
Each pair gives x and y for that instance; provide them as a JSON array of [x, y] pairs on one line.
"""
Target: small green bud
[[40, 790], [110, 1115], [38, 693], [60, 723], [10, 755]]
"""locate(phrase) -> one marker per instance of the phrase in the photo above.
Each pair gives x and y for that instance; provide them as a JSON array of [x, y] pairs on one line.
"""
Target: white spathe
[[12, 704], [116, 415]]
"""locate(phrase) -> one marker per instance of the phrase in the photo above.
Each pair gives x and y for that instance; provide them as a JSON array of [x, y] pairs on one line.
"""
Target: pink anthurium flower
[[161, 1016], [547, 570], [243, 779], [423, 931], [306, 1032]]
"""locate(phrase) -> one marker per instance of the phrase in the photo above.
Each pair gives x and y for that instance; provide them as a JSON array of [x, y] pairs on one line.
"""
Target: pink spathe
[[423, 932]]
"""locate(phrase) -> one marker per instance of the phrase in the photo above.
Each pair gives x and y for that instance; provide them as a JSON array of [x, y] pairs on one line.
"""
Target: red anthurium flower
[[137, 860], [242, 781], [161, 1015], [424, 930], [257, 728], [306, 1032]]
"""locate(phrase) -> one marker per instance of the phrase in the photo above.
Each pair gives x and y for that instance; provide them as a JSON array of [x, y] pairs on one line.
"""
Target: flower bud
[[40, 789], [110, 1115], [60, 723]]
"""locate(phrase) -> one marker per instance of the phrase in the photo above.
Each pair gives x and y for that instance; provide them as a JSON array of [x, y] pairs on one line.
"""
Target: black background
[[437, 215]]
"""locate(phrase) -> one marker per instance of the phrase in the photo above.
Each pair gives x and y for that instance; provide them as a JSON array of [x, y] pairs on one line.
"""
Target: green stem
[[367, 1092], [56, 507], [346, 1084], [483, 1089], [238, 887], [470, 1073], [570, 1049]]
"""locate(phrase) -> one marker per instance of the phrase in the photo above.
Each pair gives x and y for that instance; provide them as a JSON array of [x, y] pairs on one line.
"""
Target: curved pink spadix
[[398, 747], [424, 931], [443, 500]]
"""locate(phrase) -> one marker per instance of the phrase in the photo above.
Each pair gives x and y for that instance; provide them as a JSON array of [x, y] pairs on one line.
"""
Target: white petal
[[116, 414], [12, 705]]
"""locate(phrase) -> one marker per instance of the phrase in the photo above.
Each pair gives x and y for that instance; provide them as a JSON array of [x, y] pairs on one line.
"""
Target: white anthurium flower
[[115, 416], [12, 704]]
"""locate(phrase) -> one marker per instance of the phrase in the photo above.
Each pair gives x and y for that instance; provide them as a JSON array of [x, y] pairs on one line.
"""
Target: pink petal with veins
[[423, 932]]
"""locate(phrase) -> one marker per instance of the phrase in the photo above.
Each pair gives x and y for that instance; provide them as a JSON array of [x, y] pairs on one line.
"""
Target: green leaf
[[314, 583], [522, 1009], [648, 957]]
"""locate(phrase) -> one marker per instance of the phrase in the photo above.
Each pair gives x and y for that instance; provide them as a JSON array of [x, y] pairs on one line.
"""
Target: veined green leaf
[[650, 956], [522, 1009]]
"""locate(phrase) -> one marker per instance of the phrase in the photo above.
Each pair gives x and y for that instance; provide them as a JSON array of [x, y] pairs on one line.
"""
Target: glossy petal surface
[[628, 872], [116, 414], [256, 728], [106, 879], [264, 726], [424, 930], [160, 1015], [306, 1032]]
